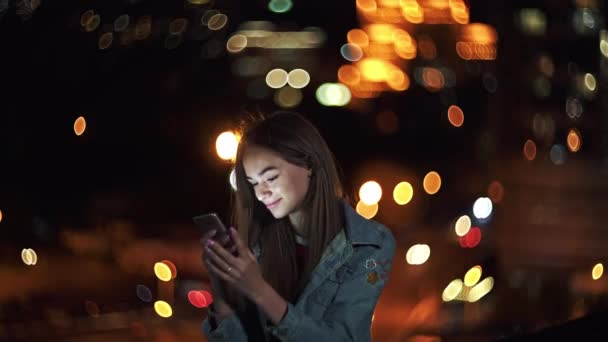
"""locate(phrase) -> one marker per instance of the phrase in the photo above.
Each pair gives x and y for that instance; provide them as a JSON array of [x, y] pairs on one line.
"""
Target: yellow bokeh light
[[463, 225], [480, 290], [298, 78], [452, 290], [367, 211], [217, 22], [530, 150], [590, 81], [80, 125], [412, 11], [33, 257], [574, 140], [403, 193], [455, 116], [288, 97], [472, 276], [604, 48], [162, 271], [370, 192], [163, 309], [432, 182], [380, 33], [236, 43], [29, 257], [226, 145], [598, 271], [0, 215], [418, 254], [373, 69], [276, 78]]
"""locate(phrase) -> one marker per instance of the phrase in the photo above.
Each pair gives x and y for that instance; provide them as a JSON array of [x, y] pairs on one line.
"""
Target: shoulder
[[365, 232]]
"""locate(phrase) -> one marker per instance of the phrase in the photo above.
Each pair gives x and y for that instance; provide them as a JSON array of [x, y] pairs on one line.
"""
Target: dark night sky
[[153, 114]]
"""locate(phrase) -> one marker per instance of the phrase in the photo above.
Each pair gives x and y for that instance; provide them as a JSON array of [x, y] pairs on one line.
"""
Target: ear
[[309, 172]]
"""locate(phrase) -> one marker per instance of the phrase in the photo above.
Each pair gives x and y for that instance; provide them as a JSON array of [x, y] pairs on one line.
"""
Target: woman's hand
[[241, 272], [218, 286]]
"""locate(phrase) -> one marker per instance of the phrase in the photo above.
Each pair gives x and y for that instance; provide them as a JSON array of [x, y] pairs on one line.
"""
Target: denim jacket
[[338, 302]]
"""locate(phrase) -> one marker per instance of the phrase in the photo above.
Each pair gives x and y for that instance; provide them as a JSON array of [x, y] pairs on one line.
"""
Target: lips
[[273, 204]]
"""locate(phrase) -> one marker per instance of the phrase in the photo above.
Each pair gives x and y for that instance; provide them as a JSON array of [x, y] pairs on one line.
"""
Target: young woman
[[307, 267]]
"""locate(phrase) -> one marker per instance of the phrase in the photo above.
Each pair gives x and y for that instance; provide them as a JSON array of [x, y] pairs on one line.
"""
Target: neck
[[296, 221]]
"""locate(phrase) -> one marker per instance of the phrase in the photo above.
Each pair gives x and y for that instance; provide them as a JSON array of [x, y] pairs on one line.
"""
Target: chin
[[278, 214]]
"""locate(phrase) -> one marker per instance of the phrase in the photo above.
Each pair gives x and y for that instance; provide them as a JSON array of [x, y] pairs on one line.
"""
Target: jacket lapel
[[335, 255]]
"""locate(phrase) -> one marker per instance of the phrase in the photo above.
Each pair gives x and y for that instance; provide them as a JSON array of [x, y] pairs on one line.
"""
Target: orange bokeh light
[[530, 150], [455, 116], [80, 125]]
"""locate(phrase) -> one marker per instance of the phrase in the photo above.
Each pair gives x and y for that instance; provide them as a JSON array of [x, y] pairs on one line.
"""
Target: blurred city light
[[333, 94], [455, 116], [226, 145], [598, 271], [367, 211], [280, 6], [143, 293], [432, 183], [418, 254], [162, 271], [276, 78], [298, 78], [452, 290], [478, 291], [482, 207], [463, 225], [163, 309], [80, 125], [472, 276], [403, 193], [370, 192]]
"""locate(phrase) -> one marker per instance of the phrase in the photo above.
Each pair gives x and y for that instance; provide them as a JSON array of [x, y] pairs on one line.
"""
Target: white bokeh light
[[418, 254], [232, 179], [482, 208]]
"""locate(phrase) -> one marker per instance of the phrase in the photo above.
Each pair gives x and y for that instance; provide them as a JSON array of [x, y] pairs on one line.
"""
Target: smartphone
[[211, 221]]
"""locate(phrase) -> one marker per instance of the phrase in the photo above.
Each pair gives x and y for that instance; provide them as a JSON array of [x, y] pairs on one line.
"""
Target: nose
[[262, 191]]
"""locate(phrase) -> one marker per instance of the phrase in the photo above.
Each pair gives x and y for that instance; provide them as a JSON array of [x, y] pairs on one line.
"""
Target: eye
[[273, 178]]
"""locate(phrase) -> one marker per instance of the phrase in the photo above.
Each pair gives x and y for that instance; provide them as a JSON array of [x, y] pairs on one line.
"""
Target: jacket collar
[[359, 230]]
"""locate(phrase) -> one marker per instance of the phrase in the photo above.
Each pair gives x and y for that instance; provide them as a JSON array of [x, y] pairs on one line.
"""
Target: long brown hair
[[298, 142]]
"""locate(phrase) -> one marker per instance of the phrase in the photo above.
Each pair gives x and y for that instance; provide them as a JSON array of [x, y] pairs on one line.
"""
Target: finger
[[219, 272], [207, 236], [240, 244], [224, 254], [219, 261]]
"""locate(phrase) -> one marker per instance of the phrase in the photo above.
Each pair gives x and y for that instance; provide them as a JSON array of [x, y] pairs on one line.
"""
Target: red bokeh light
[[200, 299]]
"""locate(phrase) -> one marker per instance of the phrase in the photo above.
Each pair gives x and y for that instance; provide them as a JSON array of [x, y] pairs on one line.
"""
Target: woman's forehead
[[255, 159]]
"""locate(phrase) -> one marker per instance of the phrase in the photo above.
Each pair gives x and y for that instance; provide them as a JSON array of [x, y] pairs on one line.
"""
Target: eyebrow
[[266, 169]]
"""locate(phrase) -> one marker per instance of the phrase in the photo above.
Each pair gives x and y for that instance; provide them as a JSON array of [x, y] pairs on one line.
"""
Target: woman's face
[[280, 185]]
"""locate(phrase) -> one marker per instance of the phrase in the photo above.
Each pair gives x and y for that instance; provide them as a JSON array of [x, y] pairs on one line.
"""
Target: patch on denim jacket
[[374, 276]]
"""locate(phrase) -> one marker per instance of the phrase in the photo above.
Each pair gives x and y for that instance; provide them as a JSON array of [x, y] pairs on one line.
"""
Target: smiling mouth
[[273, 204]]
